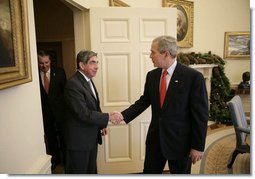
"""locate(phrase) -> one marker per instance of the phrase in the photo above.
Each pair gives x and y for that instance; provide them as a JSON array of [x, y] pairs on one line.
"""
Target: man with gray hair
[[85, 122], [178, 99]]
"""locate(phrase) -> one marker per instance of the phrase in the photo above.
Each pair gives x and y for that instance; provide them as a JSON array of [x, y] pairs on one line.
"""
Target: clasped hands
[[115, 117]]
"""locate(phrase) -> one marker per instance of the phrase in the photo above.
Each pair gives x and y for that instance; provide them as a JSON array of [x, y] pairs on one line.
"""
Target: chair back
[[238, 118]]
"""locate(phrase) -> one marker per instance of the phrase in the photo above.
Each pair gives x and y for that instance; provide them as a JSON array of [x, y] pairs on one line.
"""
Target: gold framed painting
[[117, 3], [237, 45], [185, 16], [15, 62]]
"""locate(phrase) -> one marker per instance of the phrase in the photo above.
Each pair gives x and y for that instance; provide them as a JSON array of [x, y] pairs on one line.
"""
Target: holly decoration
[[220, 85]]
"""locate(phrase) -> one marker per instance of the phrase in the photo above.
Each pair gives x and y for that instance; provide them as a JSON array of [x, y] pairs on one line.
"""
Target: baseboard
[[42, 166]]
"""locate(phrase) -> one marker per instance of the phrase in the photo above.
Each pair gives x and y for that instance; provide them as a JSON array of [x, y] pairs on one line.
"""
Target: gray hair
[[167, 44], [84, 56]]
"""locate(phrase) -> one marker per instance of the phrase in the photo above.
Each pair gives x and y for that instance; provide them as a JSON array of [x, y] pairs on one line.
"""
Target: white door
[[122, 37]]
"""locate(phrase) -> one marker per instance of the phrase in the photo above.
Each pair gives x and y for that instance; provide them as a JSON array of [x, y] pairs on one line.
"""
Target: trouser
[[52, 144], [81, 162], [155, 162], [60, 135]]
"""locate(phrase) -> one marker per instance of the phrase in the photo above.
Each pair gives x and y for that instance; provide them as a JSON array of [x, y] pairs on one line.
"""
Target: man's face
[[158, 59], [90, 69], [44, 63]]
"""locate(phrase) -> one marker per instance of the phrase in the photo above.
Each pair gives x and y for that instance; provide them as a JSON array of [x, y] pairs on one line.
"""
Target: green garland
[[220, 85]]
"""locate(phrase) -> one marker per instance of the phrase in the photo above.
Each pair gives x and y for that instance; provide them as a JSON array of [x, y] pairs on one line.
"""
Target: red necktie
[[163, 88], [46, 83]]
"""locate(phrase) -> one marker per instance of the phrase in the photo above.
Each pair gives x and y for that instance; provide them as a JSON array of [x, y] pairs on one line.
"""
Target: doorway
[[55, 34], [54, 27], [54, 49]]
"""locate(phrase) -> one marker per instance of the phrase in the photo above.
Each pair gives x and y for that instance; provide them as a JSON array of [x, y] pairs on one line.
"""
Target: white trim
[[42, 166]]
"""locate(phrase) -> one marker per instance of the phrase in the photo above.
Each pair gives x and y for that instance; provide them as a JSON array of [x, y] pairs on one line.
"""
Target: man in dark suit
[[52, 84], [85, 123], [178, 126]]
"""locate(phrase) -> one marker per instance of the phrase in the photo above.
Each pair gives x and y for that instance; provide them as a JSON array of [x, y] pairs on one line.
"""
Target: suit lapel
[[97, 100], [40, 80], [157, 82], [52, 78], [86, 85]]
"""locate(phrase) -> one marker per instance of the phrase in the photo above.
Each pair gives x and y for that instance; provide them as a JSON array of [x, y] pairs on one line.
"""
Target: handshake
[[115, 117]]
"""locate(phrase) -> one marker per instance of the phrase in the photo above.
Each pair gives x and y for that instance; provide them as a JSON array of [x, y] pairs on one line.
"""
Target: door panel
[[122, 37]]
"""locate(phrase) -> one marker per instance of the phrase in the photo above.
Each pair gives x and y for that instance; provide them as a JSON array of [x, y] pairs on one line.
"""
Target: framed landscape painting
[[237, 45]]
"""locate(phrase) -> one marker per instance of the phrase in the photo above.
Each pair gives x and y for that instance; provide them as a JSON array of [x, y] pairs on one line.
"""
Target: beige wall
[[212, 18], [22, 148]]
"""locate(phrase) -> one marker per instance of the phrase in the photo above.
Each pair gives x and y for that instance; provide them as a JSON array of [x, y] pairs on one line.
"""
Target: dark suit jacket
[[181, 124], [53, 102], [84, 118]]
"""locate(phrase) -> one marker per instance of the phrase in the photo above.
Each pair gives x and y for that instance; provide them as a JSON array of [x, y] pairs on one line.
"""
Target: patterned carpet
[[218, 154], [220, 143]]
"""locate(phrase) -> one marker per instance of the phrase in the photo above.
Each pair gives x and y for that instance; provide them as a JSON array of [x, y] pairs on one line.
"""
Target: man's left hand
[[195, 155]]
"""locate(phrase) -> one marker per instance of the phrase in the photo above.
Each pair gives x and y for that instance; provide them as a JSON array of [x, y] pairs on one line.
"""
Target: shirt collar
[[84, 76], [171, 69], [48, 72]]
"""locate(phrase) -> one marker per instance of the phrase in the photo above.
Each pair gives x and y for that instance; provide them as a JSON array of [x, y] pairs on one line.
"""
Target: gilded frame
[[237, 45], [15, 68], [117, 3], [185, 16]]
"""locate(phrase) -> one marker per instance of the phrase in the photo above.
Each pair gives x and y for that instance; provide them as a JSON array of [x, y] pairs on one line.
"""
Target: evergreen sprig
[[220, 85]]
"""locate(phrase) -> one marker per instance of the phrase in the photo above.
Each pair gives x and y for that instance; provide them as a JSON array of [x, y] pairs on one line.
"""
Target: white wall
[[22, 148], [212, 18]]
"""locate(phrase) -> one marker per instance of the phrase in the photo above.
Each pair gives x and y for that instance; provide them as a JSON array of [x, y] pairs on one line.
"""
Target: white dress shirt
[[170, 72]]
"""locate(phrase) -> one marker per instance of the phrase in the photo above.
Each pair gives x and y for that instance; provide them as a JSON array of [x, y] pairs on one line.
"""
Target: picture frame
[[185, 19], [117, 3], [15, 65], [237, 45]]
